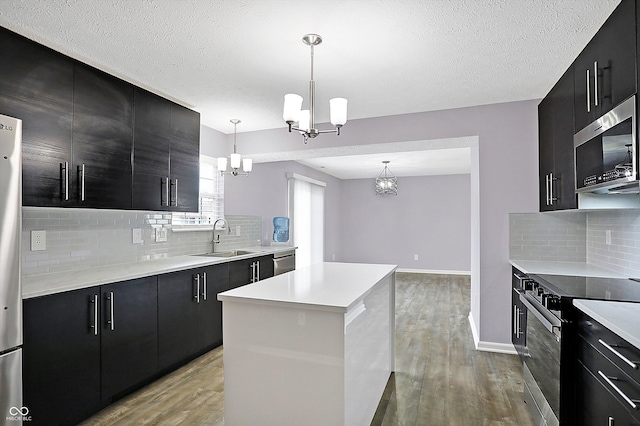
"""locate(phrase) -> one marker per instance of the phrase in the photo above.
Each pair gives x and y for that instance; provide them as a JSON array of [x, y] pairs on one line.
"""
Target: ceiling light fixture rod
[[306, 118]]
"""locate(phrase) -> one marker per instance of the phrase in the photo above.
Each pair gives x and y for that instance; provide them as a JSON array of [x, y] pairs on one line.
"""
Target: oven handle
[[550, 322]]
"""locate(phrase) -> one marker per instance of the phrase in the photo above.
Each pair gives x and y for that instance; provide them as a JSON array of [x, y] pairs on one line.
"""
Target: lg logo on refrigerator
[[5, 127]]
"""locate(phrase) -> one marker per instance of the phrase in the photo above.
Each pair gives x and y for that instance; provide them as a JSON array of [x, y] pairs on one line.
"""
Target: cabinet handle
[[64, 171], [611, 420], [94, 302], [253, 272], [618, 354], [622, 394], [204, 286], [546, 184], [197, 295], [174, 194], [111, 320], [551, 197], [518, 332], [258, 273], [165, 201], [588, 92], [515, 315], [595, 83], [81, 173]]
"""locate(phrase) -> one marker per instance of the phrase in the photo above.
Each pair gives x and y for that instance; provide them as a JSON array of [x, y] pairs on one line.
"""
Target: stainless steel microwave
[[606, 152]]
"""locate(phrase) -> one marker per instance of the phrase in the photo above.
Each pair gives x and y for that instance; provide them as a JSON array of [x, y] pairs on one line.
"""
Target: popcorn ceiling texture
[[79, 239], [575, 236]]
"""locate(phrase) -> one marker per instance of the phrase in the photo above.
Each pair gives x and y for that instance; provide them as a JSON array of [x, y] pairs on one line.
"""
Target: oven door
[[542, 365]]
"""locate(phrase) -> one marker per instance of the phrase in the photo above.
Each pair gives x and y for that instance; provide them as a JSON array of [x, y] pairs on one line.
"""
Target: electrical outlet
[[161, 235], [415, 257], [608, 237], [237, 230], [38, 240], [137, 236]]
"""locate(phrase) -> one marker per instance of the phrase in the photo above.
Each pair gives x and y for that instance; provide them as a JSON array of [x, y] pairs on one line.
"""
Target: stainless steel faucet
[[216, 239]]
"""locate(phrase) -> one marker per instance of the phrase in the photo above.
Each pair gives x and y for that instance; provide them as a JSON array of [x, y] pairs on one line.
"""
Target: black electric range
[[574, 287]]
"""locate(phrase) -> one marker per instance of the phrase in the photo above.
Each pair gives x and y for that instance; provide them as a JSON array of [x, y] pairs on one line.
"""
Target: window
[[211, 200], [306, 210]]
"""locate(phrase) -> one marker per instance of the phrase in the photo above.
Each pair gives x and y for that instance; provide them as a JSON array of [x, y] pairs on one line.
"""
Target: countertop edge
[[563, 268], [610, 315], [59, 282]]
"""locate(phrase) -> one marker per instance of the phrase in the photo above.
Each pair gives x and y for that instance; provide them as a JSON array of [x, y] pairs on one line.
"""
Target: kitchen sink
[[230, 253]]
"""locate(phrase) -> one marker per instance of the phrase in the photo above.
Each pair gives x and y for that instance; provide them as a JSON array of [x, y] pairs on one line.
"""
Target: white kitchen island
[[310, 347]]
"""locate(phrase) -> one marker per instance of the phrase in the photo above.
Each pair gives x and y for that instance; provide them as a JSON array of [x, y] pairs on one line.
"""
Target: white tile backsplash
[[80, 239], [578, 236]]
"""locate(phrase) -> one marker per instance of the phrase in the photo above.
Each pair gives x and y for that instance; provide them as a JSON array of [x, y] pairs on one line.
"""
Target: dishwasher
[[284, 261]]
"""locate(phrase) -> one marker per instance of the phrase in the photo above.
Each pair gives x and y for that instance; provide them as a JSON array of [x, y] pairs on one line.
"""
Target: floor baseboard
[[501, 348]]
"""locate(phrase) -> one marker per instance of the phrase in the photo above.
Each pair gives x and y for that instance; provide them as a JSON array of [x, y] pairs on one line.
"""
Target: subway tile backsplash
[[579, 236], [79, 239]]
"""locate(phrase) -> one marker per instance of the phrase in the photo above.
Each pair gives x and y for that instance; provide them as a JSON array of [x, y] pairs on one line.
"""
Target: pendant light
[[235, 159], [386, 183], [306, 118]]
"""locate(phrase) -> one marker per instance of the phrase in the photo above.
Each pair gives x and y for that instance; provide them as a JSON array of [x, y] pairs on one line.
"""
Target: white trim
[[501, 348], [433, 271], [305, 178]]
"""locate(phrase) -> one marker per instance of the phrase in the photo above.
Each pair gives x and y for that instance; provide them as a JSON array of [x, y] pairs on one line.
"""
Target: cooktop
[[619, 289]]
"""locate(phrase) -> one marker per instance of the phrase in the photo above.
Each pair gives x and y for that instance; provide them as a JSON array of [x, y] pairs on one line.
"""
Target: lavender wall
[[504, 179], [429, 217], [264, 193]]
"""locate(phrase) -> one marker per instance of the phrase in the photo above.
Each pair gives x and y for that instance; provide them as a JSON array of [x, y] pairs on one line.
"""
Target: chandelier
[[386, 183], [293, 111], [235, 159]]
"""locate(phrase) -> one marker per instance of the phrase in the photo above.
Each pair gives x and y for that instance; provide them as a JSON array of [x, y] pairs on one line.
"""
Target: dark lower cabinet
[[129, 334], [189, 314], [61, 365], [518, 313], [83, 347], [247, 271]]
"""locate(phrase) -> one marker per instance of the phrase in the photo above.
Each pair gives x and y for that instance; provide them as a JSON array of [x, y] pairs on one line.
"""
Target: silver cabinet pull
[[204, 286], [618, 354], [551, 197], [518, 332], [611, 420], [94, 302], [81, 173], [111, 320], [595, 83], [258, 273], [588, 93], [64, 171], [165, 201], [546, 181], [515, 315], [617, 389], [253, 272], [197, 295], [174, 193]]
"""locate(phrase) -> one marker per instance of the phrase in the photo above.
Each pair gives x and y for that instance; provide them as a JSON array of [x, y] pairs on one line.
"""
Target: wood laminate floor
[[440, 378]]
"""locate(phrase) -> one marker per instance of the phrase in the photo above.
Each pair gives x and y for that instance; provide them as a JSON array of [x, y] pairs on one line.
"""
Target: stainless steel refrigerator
[[11, 409]]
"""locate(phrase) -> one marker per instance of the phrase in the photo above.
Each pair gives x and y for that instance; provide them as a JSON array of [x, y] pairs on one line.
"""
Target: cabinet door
[[211, 308], [610, 60], [102, 139], [266, 267], [178, 317], [61, 370], [240, 272], [185, 159], [36, 86], [596, 405], [563, 182], [151, 141], [545, 151], [129, 334]]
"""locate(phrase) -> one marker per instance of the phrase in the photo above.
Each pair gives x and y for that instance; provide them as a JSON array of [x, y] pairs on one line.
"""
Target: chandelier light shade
[[293, 111], [386, 183], [235, 159]]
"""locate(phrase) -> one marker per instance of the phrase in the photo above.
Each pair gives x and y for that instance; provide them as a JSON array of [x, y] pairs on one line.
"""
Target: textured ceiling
[[237, 58]]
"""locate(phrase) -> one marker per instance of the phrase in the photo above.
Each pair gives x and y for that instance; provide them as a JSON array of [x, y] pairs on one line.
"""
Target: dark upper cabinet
[[605, 71], [129, 329], [166, 155], [36, 86], [61, 364], [102, 138], [555, 147], [151, 147]]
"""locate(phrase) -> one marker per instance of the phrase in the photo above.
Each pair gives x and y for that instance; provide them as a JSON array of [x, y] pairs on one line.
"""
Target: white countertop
[[620, 317], [328, 286], [581, 269], [41, 285]]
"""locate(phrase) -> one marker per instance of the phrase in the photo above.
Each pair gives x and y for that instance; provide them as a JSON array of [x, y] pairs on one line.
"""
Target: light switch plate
[[38, 240]]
